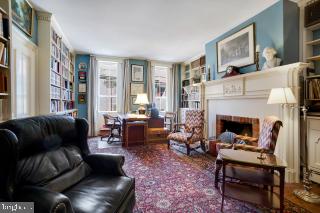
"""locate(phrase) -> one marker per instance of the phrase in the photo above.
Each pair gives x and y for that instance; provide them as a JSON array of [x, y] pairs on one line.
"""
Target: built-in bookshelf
[[193, 74], [56, 96], [5, 61]]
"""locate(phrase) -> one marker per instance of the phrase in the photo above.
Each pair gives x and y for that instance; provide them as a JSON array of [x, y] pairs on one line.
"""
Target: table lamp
[[285, 97], [142, 99]]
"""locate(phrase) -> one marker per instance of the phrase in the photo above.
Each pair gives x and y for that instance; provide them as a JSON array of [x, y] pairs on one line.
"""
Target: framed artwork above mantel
[[22, 15], [237, 49]]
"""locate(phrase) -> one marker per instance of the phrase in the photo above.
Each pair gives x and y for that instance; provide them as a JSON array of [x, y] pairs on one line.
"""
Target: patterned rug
[[169, 181]]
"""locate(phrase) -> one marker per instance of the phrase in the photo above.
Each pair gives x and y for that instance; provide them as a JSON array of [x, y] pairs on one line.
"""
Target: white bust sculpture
[[271, 61]]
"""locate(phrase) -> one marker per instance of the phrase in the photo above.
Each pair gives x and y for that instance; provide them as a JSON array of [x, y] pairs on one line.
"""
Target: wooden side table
[[244, 172]]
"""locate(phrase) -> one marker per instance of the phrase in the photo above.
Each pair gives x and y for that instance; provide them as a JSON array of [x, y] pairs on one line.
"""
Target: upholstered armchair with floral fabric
[[266, 143], [192, 130]]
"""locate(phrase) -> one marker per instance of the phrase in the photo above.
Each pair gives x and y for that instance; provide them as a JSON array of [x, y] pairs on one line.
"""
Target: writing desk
[[134, 129]]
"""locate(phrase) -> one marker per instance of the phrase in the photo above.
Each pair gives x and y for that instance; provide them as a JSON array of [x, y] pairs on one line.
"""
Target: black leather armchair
[[46, 160]]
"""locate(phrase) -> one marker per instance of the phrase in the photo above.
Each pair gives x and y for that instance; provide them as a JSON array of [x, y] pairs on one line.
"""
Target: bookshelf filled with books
[[56, 96], [5, 63]]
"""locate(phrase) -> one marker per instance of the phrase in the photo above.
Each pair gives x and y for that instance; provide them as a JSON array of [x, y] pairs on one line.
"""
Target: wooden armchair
[[265, 144], [192, 130]]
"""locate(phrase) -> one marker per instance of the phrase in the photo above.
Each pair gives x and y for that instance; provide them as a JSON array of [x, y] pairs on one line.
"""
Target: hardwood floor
[[291, 197]]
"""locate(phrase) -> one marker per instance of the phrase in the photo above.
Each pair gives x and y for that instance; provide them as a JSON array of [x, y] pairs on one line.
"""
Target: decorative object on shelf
[[209, 73], [82, 66], [82, 76], [136, 88], [269, 54], [285, 97], [237, 49], [82, 88], [231, 71], [142, 99], [82, 99], [257, 57], [22, 15], [136, 73]]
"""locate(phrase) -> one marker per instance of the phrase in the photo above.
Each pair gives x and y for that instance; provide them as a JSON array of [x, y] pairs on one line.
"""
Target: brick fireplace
[[237, 124]]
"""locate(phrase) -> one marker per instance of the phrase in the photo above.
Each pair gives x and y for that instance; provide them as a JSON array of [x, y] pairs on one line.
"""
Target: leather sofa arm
[[45, 201], [110, 164]]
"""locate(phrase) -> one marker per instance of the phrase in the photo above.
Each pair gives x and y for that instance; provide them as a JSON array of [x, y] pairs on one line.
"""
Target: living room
[[160, 106]]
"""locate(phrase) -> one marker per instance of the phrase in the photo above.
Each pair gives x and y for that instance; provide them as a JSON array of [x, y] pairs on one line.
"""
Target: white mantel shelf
[[246, 95]]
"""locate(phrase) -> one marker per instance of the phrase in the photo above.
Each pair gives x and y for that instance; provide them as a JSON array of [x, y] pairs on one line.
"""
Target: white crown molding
[[44, 16]]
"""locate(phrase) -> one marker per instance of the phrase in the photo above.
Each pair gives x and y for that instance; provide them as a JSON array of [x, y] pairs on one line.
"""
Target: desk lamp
[[142, 99]]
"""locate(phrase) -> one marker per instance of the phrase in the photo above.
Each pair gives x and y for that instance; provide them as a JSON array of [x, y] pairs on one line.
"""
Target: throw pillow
[[227, 137]]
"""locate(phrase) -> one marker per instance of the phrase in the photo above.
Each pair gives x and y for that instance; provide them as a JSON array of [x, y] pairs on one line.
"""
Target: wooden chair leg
[[188, 149], [203, 146], [217, 171], [168, 143]]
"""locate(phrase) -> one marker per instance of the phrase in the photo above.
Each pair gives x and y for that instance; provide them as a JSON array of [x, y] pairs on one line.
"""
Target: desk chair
[[112, 123], [170, 120]]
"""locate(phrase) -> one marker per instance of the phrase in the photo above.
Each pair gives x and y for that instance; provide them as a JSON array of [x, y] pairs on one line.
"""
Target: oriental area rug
[[169, 181]]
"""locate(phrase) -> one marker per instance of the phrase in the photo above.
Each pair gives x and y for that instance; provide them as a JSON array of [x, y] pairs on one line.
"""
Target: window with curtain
[[160, 82], [107, 86]]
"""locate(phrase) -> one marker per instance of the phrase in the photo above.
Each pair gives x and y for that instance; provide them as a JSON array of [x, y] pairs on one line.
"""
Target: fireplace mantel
[[246, 95]]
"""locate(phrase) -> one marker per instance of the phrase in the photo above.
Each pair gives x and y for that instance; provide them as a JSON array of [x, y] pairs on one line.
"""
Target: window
[[160, 78], [107, 86]]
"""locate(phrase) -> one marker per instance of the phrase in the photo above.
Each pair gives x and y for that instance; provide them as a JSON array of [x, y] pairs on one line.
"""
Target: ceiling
[[164, 30]]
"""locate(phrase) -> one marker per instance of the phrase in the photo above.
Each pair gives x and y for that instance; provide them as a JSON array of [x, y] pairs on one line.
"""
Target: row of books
[[3, 82], [55, 92], [67, 105], [4, 26], [55, 38], [55, 65], [55, 79], [314, 89], [4, 55], [55, 106], [55, 52]]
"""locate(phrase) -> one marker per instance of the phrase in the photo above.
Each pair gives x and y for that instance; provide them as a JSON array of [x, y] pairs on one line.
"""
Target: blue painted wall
[[272, 29], [143, 63], [82, 108]]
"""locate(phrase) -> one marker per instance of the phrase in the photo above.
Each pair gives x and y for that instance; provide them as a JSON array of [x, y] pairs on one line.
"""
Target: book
[[1, 25], [1, 50]]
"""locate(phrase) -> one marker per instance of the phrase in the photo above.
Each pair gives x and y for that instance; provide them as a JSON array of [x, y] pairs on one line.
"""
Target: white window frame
[[98, 88], [167, 85]]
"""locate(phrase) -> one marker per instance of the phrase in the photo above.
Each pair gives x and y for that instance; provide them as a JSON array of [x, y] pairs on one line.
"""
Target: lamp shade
[[142, 99], [281, 96]]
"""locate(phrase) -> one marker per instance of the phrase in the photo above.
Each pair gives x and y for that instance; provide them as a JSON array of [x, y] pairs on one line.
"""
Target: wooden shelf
[[4, 66], [313, 76], [314, 58], [250, 175], [314, 42], [3, 11], [253, 195], [314, 27], [3, 39]]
